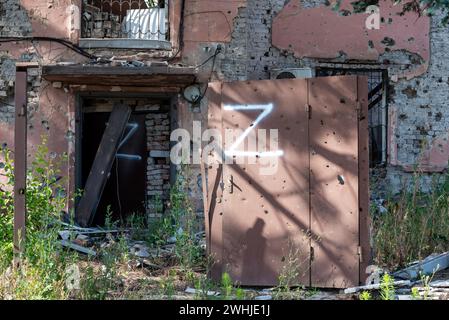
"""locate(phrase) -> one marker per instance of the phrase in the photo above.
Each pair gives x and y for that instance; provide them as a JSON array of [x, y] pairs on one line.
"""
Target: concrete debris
[[376, 286], [83, 240], [266, 297], [78, 248], [195, 291], [439, 284], [140, 251], [157, 63], [65, 235], [136, 63], [379, 203], [172, 240], [374, 274], [430, 265], [147, 264], [424, 292]]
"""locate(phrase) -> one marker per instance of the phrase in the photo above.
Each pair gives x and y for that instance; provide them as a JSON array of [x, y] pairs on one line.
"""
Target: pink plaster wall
[[322, 33]]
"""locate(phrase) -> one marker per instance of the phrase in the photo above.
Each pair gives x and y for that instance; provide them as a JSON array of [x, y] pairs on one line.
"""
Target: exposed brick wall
[[419, 108], [250, 55], [158, 168], [419, 104], [14, 20], [419, 115]]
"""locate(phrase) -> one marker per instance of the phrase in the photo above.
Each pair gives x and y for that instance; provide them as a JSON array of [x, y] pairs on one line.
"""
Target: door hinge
[[312, 254], [359, 253]]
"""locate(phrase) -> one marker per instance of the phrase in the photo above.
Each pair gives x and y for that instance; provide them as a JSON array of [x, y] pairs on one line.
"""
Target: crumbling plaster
[[324, 33], [254, 41], [413, 119]]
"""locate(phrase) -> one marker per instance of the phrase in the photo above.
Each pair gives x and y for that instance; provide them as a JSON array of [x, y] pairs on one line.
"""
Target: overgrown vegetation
[[47, 271], [43, 263], [414, 225], [295, 267]]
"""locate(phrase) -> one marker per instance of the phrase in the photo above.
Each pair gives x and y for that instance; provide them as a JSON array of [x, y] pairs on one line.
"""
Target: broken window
[[127, 19], [377, 97]]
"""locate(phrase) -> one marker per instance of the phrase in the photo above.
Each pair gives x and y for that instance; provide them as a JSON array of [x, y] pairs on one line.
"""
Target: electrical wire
[[214, 59], [64, 42]]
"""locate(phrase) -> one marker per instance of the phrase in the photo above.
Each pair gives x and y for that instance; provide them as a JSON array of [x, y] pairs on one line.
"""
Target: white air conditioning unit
[[291, 73]]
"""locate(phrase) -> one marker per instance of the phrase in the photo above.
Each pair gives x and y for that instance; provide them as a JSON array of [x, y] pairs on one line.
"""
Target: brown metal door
[[304, 218], [334, 200], [266, 214]]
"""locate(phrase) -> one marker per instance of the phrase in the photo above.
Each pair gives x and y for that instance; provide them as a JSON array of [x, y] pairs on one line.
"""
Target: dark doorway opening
[[125, 192]]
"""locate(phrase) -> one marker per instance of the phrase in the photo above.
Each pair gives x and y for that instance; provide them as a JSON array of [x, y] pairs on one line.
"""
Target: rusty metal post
[[20, 159]]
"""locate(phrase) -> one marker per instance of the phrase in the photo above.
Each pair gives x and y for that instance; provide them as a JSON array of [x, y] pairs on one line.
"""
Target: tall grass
[[415, 225], [47, 270], [41, 274]]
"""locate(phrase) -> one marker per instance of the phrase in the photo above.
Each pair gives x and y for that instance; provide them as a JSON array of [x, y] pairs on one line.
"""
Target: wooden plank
[[113, 70], [20, 160], [102, 164], [144, 76], [111, 90]]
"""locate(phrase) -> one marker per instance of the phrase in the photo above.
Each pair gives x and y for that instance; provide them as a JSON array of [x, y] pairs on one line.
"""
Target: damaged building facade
[[157, 57]]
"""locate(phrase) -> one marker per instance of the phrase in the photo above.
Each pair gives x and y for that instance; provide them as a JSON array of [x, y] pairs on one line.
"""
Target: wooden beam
[[124, 89], [77, 70], [102, 164], [20, 161], [156, 76]]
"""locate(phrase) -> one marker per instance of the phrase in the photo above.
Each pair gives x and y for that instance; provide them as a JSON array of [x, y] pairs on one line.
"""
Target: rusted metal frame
[[363, 163], [102, 164], [20, 160]]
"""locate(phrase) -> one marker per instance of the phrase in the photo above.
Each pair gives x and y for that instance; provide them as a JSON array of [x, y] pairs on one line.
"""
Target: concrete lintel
[[123, 43]]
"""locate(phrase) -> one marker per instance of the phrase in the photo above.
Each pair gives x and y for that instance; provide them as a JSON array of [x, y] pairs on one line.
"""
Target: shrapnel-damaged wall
[[419, 117], [50, 108], [252, 48], [417, 91]]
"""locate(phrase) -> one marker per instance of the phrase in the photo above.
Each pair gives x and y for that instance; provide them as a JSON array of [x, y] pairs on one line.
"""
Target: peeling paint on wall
[[323, 33], [208, 21]]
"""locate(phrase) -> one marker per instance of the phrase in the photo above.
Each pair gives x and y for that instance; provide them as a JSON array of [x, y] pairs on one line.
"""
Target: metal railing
[[129, 19]]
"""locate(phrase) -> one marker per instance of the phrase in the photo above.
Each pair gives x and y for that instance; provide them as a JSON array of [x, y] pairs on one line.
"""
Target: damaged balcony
[[125, 24]]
